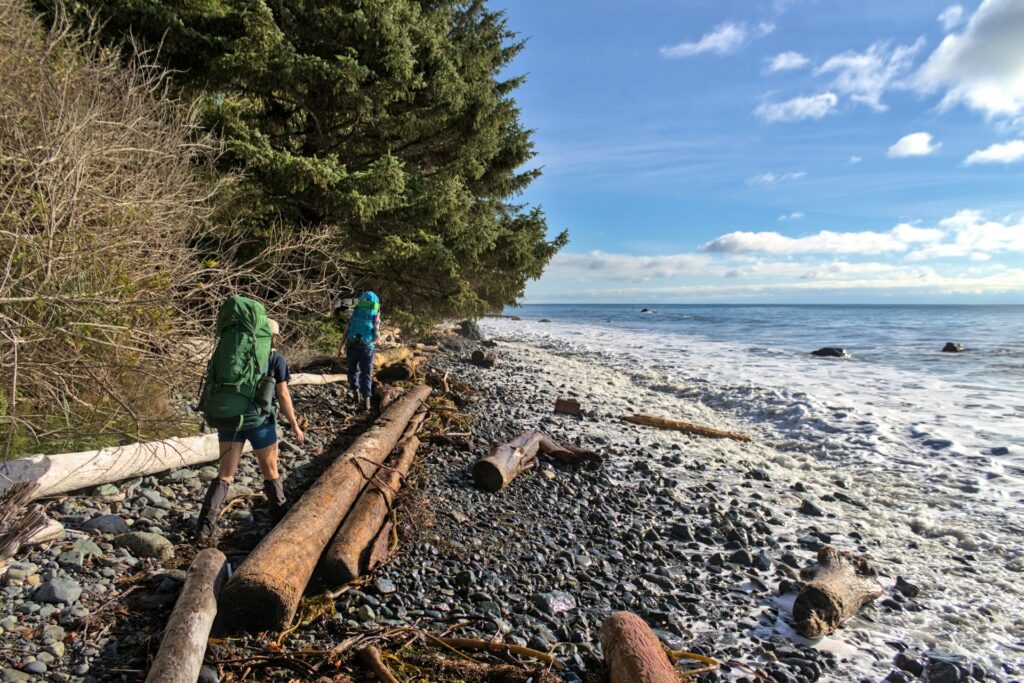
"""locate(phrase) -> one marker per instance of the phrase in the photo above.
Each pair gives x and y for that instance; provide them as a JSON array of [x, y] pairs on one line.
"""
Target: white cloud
[[866, 76], [824, 242], [983, 67], [914, 145], [765, 28], [798, 108], [975, 236], [854, 159], [795, 216], [724, 39], [599, 264], [1000, 153], [952, 17], [787, 61], [775, 178]]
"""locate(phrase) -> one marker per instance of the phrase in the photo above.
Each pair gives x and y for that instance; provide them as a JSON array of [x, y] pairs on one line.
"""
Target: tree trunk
[[183, 645], [312, 378], [681, 426], [58, 474], [266, 589], [507, 461], [383, 357], [836, 587], [347, 556], [632, 653]]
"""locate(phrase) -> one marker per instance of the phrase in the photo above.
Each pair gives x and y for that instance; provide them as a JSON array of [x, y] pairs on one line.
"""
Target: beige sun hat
[[274, 327]]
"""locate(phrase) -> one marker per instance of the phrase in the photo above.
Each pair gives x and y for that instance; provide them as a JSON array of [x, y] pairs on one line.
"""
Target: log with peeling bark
[[507, 461], [385, 395], [265, 591], [681, 426], [835, 588], [385, 357], [347, 556], [632, 653], [183, 645], [58, 474], [300, 378]]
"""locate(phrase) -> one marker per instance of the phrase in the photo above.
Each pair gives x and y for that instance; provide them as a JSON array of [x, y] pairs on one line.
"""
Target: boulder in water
[[543, 320], [953, 347], [647, 310], [831, 352]]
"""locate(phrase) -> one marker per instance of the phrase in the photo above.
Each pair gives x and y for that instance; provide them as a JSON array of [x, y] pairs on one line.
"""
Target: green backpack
[[239, 364]]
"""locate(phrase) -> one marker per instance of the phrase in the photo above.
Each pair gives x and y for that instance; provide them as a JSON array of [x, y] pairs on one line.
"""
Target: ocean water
[[933, 442]]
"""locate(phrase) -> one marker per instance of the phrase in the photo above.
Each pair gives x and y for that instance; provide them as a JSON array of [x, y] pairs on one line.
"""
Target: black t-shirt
[[278, 369]]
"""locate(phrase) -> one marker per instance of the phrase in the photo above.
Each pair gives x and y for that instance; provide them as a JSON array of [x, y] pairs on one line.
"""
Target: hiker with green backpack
[[361, 336], [246, 380]]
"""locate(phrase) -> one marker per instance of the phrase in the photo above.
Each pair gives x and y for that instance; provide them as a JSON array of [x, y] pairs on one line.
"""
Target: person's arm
[[284, 399], [344, 340], [376, 327]]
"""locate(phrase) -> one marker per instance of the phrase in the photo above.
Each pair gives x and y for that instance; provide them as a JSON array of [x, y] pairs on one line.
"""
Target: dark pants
[[360, 369]]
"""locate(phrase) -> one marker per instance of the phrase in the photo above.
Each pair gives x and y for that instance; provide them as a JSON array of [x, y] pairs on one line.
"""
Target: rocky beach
[[703, 538]]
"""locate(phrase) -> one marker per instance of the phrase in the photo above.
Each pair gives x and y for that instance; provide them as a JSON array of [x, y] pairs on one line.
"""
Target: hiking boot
[[206, 525], [278, 504], [353, 395], [367, 403]]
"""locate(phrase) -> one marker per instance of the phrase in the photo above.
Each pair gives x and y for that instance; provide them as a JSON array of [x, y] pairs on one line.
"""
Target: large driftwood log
[[838, 585], [183, 645], [313, 378], [58, 474], [385, 395], [681, 426], [384, 357], [507, 461], [347, 557], [266, 589], [402, 370], [632, 653]]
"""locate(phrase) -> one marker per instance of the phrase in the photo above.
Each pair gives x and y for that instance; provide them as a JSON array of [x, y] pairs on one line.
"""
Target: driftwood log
[[838, 585], [183, 645], [507, 461], [632, 653], [681, 426], [384, 357], [58, 474], [370, 656], [402, 370], [300, 378], [348, 555], [266, 589], [567, 406], [385, 394]]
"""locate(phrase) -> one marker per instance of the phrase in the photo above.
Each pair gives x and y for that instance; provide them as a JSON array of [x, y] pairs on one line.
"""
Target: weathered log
[[838, 585], [311, 378], [58, 474], [507, 461], [632, 653], [385, 395], [379, 552], [384, 357], [183, 645], [266, 589], [484, 359], [18, 522], [347, 556], [403, 370], [681, 426], [567, 406]]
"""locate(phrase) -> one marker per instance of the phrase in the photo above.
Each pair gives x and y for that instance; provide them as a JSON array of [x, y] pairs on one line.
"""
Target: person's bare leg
[[217, 492], [272, 486]]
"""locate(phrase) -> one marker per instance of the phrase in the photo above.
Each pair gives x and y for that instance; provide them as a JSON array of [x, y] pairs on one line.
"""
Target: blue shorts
[[259, 437]]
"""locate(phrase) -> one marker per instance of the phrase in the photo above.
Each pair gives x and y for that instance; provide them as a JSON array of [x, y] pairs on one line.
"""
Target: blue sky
[[777, 150]]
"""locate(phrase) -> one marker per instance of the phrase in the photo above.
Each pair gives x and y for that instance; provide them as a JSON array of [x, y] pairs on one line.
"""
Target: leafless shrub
[[110, 261]]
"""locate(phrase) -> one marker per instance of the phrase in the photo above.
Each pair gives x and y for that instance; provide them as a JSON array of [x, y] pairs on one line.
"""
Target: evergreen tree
[[389, 119]]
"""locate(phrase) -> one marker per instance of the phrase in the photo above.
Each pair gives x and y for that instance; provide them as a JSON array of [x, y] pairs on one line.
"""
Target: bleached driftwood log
[[838, 585], [681, 426], [58, 474], [507, 461], [265, 591], [632, 653], [300, 378], [383, 357], [184, 641]]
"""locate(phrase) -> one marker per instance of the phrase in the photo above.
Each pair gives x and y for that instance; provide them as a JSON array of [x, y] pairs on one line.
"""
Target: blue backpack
[[360, 326]]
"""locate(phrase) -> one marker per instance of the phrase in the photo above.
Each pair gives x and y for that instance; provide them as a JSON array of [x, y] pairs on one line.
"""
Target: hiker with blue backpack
[[360, 337], [246, 383]]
